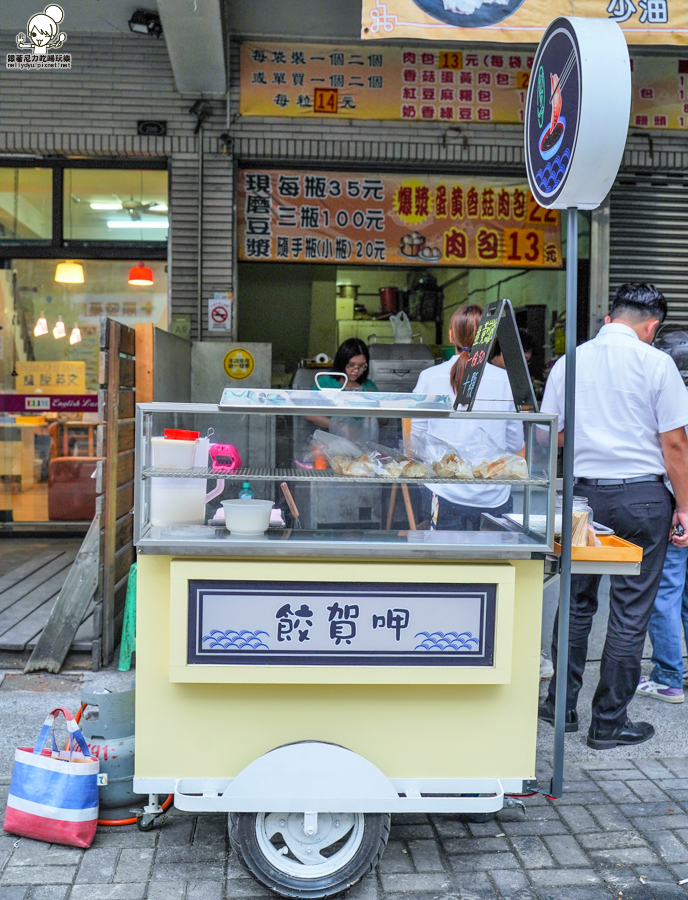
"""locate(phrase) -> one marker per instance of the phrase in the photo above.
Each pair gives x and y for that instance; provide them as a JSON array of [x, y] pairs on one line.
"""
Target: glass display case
[[350, 475]]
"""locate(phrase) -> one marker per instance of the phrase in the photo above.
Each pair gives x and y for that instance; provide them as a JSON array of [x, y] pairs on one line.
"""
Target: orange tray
[[613, 549]]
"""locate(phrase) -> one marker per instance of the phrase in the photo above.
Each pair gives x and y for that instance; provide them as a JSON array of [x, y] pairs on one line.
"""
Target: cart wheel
[[277, 852], [478, 817], [145, 823]]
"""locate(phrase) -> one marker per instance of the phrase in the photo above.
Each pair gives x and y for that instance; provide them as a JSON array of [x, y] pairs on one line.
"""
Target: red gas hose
[[165, 806]]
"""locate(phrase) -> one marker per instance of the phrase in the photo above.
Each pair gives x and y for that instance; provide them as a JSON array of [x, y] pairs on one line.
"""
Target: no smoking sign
[[220, 313]]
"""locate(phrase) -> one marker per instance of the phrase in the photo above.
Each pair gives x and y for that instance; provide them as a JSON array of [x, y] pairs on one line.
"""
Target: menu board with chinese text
[[393, 219], [353, 82], [426, 84], [660, 92]]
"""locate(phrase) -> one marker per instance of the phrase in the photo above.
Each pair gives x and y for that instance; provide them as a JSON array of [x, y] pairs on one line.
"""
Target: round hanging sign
[[577, 112]]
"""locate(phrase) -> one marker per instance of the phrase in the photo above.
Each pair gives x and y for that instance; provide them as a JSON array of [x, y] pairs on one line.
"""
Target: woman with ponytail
[[462, 330], [459, 507]]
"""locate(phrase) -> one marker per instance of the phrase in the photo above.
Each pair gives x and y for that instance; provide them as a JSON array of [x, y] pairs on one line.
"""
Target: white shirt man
[[628, 393], [631, 413]]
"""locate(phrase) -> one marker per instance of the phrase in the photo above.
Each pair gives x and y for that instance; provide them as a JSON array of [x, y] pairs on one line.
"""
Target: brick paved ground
[[620, 831]]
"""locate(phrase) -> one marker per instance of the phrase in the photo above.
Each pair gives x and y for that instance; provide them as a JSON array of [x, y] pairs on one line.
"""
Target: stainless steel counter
[[450, 545]]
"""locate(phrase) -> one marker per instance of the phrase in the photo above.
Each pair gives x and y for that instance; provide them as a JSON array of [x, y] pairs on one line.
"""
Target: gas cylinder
[[110, 738]]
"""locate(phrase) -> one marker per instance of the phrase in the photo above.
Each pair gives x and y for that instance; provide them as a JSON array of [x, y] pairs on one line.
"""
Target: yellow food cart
[[331, 676]]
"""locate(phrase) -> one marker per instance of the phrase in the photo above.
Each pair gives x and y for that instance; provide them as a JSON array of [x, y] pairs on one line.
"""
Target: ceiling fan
[[135, 208]]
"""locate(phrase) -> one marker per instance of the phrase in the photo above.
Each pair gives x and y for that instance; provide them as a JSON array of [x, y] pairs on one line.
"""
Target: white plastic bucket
[[181, 501], [169, 454]]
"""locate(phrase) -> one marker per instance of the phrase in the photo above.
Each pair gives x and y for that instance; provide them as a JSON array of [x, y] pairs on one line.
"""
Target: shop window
[[104, 291], [26, 204], [49, 335], [115, 205]]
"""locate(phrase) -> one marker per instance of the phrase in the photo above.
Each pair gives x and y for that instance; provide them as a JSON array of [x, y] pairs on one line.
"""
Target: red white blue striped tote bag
[[54, 795]]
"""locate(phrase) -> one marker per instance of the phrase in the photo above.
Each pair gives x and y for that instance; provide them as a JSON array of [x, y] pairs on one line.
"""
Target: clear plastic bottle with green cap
[[246, 492]]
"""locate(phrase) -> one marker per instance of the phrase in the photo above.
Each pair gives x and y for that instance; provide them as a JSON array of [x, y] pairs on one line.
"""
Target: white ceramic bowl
[[247, 516]]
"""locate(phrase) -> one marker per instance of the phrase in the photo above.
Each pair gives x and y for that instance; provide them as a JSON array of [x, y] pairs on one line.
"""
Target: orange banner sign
[[339, 217], [525, 21], [352, 82], [427, 84], [660, 92]]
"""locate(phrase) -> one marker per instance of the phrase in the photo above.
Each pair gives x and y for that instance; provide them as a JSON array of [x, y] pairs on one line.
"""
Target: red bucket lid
[[177, 434]]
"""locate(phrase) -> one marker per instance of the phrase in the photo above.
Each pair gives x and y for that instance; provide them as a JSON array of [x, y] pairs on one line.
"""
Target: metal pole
[[567, 502], [199, 258]]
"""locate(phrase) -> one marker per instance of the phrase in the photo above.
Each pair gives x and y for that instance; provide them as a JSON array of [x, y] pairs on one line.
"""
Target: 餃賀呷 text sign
[[393, 219], [307, 623]]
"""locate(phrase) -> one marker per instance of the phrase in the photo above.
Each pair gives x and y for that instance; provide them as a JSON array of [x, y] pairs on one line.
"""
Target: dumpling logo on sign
[[577, 112], [558, 89]]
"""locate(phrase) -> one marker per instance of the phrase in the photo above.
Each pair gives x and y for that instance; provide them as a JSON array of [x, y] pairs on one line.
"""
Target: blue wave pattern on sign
[[237, 640], [549, 178], [438, 640]]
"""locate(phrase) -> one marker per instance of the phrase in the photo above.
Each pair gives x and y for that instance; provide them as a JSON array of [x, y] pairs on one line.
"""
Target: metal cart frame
[[308, 777]]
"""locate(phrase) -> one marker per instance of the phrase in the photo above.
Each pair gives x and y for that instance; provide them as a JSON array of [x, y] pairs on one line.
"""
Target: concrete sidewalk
[[620, 831]]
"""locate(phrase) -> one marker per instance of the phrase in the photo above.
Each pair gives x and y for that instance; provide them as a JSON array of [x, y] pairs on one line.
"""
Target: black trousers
[[456, 517], [640, 513]]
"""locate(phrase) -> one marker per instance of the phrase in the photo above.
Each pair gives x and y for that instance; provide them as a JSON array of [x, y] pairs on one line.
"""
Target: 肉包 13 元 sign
[[306, 623], [575, 133], [393, 219]]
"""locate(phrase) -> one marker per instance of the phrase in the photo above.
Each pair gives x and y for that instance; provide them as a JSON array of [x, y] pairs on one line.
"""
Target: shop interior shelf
[[247, 473]]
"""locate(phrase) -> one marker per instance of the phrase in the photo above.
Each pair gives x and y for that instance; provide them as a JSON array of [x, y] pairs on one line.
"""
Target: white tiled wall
[[92, 110]]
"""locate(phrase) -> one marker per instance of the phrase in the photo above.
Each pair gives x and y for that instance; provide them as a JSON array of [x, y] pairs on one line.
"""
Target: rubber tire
[[147, 827], [242, 835], [478, 817]]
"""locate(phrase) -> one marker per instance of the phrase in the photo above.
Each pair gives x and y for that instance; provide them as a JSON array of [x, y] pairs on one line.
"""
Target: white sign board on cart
[[294, 623]]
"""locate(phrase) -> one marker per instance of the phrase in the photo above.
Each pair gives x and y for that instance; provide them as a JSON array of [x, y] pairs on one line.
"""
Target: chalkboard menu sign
[[498, 322]]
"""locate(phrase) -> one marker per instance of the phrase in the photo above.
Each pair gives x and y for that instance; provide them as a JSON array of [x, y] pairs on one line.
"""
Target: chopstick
[[565, 72]]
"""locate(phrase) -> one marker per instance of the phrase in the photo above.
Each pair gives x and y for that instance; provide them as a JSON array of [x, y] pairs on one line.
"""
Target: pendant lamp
[[141, 275], [69, 273], [75, 335], [59, 331], [41, 326]]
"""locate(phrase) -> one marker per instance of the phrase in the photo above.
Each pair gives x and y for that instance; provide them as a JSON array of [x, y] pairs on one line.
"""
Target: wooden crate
[[612, 549]]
